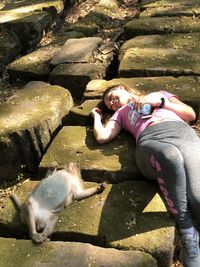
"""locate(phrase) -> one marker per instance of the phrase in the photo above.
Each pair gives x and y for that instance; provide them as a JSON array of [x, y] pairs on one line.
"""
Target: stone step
[[36, 65], [24, 25], [114, 161], [169, 8], [126, 216], [89, 59], [181, 42], [80, 114], [77, 51], [23, 253], [75, 76], [161, 25], [28, 121], [29, 21], [160, 55], [158, 62], [33, 66], [168, 3]]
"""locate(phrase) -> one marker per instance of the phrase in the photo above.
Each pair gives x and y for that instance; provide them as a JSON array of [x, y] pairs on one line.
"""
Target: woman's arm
[[183, 110], [103, 133]]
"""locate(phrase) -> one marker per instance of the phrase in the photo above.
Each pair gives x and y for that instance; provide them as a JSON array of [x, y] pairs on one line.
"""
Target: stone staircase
[[46, 118]]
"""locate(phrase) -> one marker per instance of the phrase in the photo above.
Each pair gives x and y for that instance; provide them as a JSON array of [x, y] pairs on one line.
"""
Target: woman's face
[[116, 98]]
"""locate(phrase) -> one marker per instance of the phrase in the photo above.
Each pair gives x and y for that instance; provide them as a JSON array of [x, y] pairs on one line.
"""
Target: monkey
[[53, 194]]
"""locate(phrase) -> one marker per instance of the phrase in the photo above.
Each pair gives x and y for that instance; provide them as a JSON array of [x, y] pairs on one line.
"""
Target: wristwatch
[[162, 102]]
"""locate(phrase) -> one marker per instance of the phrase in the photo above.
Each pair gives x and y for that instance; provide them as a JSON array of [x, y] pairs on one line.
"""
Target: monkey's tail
[[16, 200]]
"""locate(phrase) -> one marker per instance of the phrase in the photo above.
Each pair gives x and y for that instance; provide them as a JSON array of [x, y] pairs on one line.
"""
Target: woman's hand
[[96, 112], [140, 101]]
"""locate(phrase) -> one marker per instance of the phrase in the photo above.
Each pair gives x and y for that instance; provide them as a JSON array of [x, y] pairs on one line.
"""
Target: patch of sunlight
[[6, 16], [155, 205], [58, 4]]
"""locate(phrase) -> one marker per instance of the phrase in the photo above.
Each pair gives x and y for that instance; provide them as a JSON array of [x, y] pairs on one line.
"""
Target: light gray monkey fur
[[53, 194]]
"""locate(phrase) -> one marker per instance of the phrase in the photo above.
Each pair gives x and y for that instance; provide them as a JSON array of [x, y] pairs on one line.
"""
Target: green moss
[[161, 25], [18, 113], [90, 24], [35, 63], [157, 62]]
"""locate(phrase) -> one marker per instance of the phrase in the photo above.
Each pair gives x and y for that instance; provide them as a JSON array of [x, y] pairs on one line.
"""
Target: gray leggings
[[170, 153]]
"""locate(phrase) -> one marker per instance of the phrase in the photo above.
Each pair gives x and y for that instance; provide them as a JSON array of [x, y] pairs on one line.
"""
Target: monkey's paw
[[101, 187], [39, 238]]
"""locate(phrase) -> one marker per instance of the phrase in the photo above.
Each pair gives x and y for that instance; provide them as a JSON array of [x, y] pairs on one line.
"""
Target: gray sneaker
[[190, 253]]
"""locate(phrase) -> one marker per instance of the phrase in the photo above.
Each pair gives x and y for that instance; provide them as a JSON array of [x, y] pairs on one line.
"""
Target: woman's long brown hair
[[134, 91], [126, 87]]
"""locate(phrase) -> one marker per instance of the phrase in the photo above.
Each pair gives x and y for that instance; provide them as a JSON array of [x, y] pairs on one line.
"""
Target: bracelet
[[162, 102]]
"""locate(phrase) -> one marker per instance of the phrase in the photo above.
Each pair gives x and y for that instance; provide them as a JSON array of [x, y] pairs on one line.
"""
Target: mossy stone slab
[[95, 89], [33, 5], [34, 66], [168, 3], [169, 8], [185, 42], [80, 114], [24, 25], [114, 161], [24, 253], [27, 122], [75, 76], [165, 11], [90, 24], [161, 25], [126, 216], [158, 62], [77, 50]]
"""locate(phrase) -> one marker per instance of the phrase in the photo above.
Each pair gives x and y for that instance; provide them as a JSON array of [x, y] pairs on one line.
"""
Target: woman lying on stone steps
[[167, 149]]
